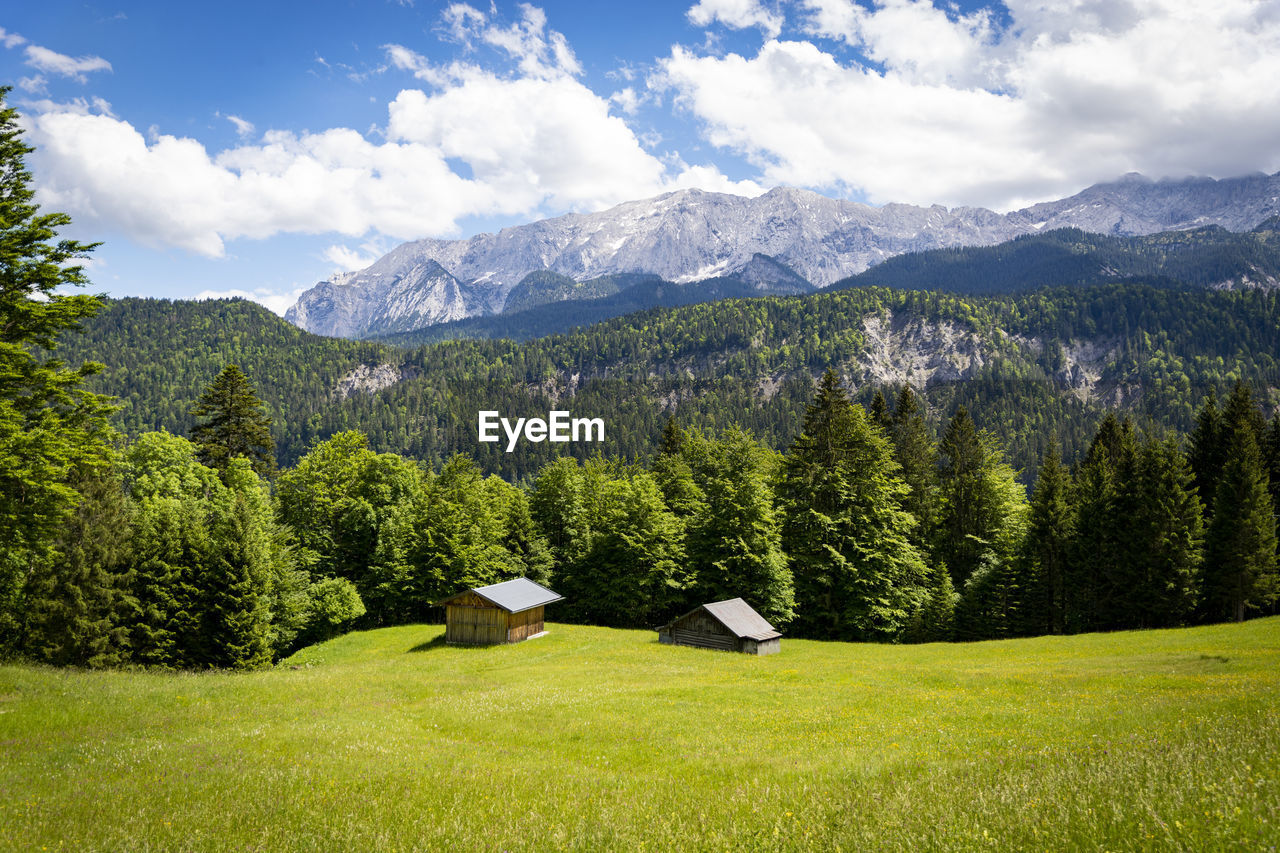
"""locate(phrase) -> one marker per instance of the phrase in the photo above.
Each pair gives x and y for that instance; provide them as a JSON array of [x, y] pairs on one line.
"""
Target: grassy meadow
[[591, 738]]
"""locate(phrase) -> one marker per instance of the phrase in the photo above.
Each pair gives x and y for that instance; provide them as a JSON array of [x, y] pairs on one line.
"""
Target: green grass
[[592, 738]]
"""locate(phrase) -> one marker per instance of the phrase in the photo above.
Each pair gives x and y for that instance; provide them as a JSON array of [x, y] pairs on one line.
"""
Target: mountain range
[[785, 241]]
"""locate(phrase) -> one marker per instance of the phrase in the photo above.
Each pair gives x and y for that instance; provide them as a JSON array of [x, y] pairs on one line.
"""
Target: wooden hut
[[506, 612], [732, 626]]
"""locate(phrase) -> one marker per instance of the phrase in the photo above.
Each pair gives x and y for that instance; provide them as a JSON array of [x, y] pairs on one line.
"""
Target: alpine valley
[[787, 241]]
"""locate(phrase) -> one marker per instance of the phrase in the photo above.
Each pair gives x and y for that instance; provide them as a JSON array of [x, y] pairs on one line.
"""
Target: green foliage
[[982, 508], [335, 606], [74, 599], [236, 426], [857, 576], [734, 541], [342, 501], [1240, 574], [50, 427], [1047, 551]]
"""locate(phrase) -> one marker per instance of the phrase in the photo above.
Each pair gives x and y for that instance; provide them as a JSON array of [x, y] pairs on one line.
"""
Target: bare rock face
[[369, 379], [692, 235]]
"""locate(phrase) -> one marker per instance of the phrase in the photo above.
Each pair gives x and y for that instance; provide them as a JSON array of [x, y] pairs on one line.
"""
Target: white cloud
[[346, 259], [243, 128], [10, 40], [738, 14], [35, 84], [476, 144], [537, 51], [963, 112], [44, 59], [275, 301]]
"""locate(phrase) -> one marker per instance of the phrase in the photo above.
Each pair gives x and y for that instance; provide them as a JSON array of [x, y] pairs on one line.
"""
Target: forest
[[181, 486], [745, 361]]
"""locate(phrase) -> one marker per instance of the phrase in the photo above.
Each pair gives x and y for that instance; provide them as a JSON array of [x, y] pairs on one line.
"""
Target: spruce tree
[[1099, 548], [234, 424], [74, 603], [982, 513], [935, 621], [1240, 573], [1205, 451], [879, 412], [49, 425], [857, 575], [917, 457], [1167, 533], [1047, 550]]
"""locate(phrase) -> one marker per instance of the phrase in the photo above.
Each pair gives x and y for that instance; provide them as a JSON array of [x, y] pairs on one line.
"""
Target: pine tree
[[235, 424], [49, 425], [1240, 573], [1271, 454], [857, 576], [1047, 549]]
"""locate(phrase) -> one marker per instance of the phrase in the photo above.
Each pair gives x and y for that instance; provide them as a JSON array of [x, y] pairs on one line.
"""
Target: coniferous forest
[[224, 503]]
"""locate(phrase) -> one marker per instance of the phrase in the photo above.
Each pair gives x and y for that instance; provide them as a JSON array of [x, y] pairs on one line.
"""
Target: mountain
[[392, 295], [691, 235]]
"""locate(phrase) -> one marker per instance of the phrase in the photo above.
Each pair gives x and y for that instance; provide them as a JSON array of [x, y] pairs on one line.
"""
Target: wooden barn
[[732, 626], [506, 612]]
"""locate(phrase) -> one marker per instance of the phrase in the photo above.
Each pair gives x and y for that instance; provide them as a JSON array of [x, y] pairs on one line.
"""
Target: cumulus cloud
[[931, 105], [10, 40], [346, 259], [476, 142], [737, 14], [44, 59]]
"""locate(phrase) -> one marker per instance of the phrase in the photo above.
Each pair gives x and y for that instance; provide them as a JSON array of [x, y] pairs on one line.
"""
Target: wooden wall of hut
[[471, 620]]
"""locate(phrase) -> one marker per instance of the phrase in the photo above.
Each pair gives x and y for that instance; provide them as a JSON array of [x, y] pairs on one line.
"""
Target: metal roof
[[739, 617], [517, 595]]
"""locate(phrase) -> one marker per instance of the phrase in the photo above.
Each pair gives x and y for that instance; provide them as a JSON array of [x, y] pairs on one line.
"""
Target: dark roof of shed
[[740, 618], [513, 596]]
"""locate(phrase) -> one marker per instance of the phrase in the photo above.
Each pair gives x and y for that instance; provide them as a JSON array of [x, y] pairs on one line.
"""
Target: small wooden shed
[[732, 626], [506, 612]]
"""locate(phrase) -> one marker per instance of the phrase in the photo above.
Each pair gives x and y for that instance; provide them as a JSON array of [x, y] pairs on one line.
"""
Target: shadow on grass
[[434, 643]]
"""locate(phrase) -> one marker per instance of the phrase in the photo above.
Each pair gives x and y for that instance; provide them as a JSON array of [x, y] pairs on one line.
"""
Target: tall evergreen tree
[[857, 576], [234, 424], [917, 457], [1166, 533], [1047, 549], [49, 425], [1240, 573], [1205, 451], [1099, 550], [879, 413], [982, 513], [74, 603]]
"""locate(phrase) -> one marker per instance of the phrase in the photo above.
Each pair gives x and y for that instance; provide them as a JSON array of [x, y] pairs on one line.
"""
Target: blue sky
[[258, 148]]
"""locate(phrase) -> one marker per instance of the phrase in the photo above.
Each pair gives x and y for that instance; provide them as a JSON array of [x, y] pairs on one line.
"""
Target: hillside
[[160, 354], [1026, 365], [591, 738], [1201, 257]]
